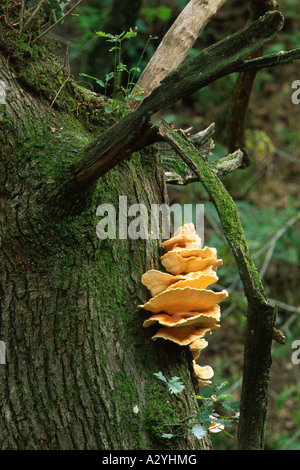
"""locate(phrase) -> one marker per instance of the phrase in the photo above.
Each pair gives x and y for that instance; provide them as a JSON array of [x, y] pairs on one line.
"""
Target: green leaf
[[129, 34], [163, 13], [101, 83], [135, 69], [108, 109], [167, 436], [205, 418], [160, 376], [198, 431], [57, 11], [175, 386], [122, 67], [109, 76], [88, 76], [105, 35]]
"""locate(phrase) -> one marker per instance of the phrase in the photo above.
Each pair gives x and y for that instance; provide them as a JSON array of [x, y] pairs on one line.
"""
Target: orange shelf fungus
[[184, 301], [215, 427], [181, 303], [157, 281]]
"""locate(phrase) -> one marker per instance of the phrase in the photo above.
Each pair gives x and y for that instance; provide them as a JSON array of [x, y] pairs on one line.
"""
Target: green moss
[[161, 414], [126, 398]]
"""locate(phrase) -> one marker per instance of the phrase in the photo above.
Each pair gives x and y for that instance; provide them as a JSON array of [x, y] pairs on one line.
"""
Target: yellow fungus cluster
[[181, 302]]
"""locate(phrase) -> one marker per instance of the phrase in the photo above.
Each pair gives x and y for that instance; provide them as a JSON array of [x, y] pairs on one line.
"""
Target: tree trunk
[[79, 365]]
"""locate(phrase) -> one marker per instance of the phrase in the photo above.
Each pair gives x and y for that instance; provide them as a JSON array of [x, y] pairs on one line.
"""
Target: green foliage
[[88, 21], [174, 384], [119, 91], [200, 422], [288, 398], [290, 8], [260, 226], [162, 13]]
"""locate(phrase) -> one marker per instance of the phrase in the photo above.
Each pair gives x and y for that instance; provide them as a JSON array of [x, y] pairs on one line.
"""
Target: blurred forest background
[[266, 193]]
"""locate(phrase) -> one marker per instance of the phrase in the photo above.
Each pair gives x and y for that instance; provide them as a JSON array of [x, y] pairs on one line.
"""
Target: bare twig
[[22, 11], [287, 307], [50, 13], [287, 156], [23, 14], [271, 60], [278, 234], [39, 6], [229, 163], [55, 24], [69, 74]]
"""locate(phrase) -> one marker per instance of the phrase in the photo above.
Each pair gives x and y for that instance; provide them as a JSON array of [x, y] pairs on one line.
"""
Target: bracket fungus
[[181, 303]]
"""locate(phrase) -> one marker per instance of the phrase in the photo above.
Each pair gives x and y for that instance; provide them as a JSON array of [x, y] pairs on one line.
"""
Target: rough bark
[[77, 357]]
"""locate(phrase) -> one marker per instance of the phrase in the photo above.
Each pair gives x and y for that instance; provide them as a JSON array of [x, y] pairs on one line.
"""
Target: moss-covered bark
[[78, 359]]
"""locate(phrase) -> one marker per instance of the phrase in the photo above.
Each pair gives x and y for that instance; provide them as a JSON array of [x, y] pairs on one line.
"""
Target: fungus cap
[[198, 280], [157, 281], [177, 264], [215, 427], [184, 234], [184, 300], [197, 346], [203, 372], [183, 335], [203, 319]]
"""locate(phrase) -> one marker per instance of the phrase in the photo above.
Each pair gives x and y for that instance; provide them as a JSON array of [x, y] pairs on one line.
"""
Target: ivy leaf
[[198, 431], [109, 76], [175, 386]]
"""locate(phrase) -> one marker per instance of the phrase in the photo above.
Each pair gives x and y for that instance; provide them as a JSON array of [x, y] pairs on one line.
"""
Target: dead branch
[[176, 44], [134, 131]]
